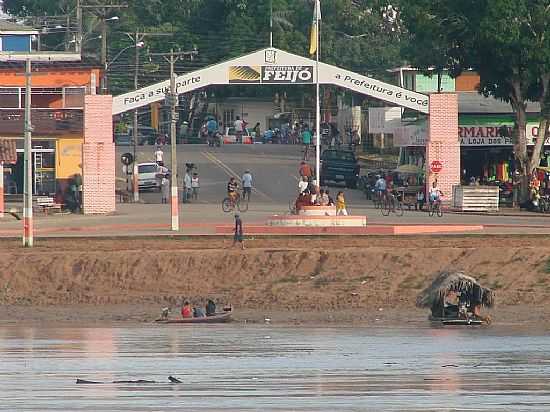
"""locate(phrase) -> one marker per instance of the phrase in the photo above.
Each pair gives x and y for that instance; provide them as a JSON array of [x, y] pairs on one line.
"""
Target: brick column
[[98, 156], [443, 143]]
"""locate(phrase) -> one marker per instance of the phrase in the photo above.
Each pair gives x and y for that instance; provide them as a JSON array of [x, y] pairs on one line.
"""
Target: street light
[[104, 21]]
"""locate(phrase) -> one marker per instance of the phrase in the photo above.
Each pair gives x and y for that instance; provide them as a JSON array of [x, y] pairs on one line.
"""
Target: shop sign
[[436, 166]]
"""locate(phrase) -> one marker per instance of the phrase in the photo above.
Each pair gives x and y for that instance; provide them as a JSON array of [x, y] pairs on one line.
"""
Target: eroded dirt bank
[[296, 274]]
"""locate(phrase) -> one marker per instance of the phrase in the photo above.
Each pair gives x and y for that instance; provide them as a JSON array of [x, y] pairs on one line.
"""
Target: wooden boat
[[457, 321], [219, 317], [470, 294]]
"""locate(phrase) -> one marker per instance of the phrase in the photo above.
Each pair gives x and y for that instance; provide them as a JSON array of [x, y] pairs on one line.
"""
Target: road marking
[[231, 173]]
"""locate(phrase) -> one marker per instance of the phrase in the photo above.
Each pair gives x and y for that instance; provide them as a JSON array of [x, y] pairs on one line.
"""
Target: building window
[[228, 117], [74, 97], [9, 97], [45, 98]]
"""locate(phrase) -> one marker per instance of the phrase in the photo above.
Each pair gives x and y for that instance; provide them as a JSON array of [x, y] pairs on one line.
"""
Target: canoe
[[457, 321], [219, 317]]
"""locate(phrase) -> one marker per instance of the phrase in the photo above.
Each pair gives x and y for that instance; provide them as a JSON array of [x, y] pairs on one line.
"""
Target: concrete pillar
[[98, 156], [443, 144]]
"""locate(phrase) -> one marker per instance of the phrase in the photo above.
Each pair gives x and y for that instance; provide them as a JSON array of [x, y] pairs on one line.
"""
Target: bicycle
[[435, 208], [229, 205], [378, 199], [392, 203]]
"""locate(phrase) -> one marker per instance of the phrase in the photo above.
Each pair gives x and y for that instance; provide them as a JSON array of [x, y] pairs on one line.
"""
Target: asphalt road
[[274, 169], [275, 172]]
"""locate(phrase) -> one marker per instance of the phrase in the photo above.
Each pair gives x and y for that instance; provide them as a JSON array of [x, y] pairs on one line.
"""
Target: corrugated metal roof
[[8, 26], [475, 103]]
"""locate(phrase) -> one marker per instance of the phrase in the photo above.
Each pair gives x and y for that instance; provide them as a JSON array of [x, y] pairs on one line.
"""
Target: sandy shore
[[337, 280]]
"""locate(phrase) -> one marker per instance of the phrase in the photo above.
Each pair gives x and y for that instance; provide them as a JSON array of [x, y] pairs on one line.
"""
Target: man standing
[[187, 184], [238, 235], [306, 140], [247, 185], [159, 156], [239, 129], [212, 128], [306, 171]]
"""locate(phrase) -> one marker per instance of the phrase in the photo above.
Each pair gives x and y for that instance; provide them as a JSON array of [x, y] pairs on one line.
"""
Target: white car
[[230, 136], [148, 175]]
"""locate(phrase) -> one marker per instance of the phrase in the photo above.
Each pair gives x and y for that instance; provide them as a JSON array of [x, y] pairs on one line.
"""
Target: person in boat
[[187, 310], [198, 312], [210, 308]]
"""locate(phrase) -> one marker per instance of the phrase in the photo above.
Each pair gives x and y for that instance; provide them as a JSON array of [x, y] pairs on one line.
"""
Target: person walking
[[195, 185], [239, 129], [187, 184], [306, 140], [257, 132], [165, 188], [341, 205], [238, 233], [247, 185], [159, 156]]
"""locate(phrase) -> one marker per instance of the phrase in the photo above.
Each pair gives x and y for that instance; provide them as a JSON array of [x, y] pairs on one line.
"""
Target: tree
[[507, 43]]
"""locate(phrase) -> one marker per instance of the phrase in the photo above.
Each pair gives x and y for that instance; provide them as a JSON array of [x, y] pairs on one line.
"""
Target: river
[[269, 368]]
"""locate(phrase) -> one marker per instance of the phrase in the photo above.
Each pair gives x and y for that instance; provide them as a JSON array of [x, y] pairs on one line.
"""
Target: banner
[[68, 155], [270, 74]]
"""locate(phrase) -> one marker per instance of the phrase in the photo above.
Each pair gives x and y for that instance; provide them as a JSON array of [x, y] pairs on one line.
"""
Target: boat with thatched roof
[[456, 299]]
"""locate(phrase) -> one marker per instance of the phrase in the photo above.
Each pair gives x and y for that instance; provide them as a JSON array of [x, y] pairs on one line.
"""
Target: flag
[[315, 28]]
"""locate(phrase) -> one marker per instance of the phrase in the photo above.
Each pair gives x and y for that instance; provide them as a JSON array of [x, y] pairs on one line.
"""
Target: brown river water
[[269, 368]]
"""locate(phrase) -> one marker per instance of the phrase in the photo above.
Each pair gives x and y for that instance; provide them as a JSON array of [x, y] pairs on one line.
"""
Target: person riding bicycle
[[233, 189], [435, 193]]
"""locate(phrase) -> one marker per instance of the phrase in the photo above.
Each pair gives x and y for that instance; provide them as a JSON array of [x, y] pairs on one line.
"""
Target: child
[[341, 205], [195, 186]]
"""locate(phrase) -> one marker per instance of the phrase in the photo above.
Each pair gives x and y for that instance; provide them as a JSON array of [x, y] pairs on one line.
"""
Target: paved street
[[275, 170]]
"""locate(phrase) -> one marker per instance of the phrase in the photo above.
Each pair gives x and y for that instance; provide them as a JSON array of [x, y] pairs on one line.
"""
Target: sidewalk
[[207, 219]]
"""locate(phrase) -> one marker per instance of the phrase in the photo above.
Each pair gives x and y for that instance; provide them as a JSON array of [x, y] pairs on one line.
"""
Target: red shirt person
[[186, 311]]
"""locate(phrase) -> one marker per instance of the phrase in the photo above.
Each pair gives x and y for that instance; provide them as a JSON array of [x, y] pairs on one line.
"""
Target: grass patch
[[546, 266], [496, 285]]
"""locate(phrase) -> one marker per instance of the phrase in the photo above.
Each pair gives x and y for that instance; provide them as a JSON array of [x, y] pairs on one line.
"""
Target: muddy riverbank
[[340, 279]]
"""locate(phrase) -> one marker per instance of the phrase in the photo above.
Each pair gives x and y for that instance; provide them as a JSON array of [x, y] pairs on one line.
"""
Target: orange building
[[57, 102]]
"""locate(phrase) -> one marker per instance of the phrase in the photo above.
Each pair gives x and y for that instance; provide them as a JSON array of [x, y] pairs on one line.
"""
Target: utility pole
[[27, 160], [138, 38], [101, 11], [172, 99]]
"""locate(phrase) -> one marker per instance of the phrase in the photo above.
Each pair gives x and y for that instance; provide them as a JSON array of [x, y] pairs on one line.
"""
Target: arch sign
[[273, 66]]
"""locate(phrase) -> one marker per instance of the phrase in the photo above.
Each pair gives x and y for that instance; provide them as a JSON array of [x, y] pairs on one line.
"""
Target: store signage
[[416, 135], [436, 166]]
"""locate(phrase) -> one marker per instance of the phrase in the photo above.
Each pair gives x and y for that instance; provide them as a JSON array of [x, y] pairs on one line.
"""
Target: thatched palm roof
[[452, 282]]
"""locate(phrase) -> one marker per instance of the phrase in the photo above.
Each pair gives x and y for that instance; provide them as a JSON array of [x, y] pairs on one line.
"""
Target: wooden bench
[[47, 203]]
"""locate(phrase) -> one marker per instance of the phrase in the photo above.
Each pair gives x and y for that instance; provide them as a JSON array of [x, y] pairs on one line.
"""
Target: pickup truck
[[339, 166]]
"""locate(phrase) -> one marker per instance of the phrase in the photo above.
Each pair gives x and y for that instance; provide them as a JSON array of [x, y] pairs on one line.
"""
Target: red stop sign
[[436, 166]]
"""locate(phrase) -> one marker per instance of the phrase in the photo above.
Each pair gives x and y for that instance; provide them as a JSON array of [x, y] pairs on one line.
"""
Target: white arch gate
[[274, 66]]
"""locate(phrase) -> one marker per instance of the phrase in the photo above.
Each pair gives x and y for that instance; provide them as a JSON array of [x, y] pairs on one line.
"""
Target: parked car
[[339, 166], [230, 136], [149, 176], [123, 139]]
